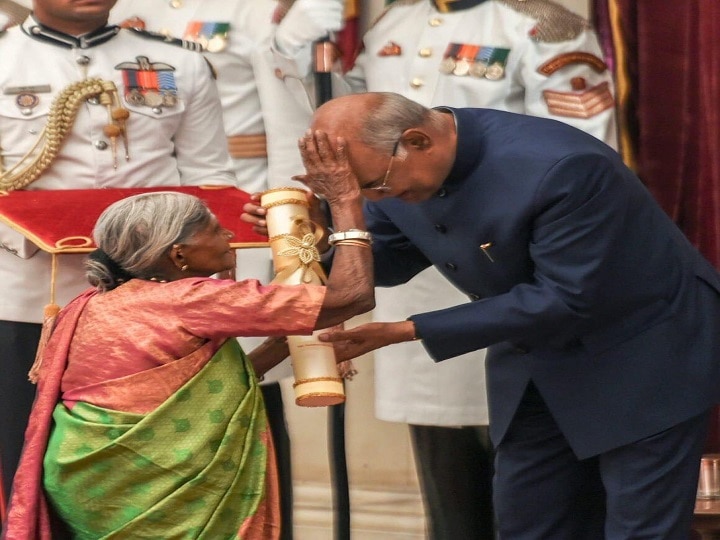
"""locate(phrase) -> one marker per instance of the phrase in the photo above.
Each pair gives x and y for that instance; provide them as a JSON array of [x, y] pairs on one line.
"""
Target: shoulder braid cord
[[61, 117]]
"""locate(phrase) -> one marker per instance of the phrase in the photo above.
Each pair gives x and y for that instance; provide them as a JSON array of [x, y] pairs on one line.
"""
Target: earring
[[184, 268]]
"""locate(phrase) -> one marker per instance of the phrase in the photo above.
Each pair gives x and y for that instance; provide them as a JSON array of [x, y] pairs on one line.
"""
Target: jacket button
[[451, 266], [440, 228], [101, 145], [442, 192], [474, 297]]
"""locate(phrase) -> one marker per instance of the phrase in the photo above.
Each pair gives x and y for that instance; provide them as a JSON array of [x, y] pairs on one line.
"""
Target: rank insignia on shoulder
[[183, 43], [582, 102], [477, 61], [555, 23], [149, 84], [560, 61], [211, 36], [390, 49]]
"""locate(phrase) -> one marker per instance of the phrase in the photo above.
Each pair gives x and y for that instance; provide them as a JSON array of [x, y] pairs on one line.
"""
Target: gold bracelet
[[358, 243]]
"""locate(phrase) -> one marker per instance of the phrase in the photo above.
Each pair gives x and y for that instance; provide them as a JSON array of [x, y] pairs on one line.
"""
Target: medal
[[495, 72], [478, 69], [465, 57], [153, 99], [169, 100], [211, 36], [462, 66], [493, 60], [217, 43], [449, 58], [135, 98], [149, 84], [447, 65]]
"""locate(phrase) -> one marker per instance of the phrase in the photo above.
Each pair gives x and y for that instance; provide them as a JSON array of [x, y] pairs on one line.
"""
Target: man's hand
[[365, 338], [255, 214], [307, 21]]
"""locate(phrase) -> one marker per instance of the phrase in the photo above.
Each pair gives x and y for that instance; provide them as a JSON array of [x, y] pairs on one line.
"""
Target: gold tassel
[[49, 317]]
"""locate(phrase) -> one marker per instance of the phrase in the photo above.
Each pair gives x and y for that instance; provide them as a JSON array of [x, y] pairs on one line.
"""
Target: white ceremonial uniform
[[405, 52], [180, 143], [252, 96], [175, 137], [235, 35]]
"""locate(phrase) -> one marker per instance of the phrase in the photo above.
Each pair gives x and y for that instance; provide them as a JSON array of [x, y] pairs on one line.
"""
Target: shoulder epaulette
[[182, 43], [554, 22], [396, 3]]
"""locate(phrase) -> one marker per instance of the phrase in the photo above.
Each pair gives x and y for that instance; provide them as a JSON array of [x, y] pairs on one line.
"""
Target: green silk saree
[[195, 467]]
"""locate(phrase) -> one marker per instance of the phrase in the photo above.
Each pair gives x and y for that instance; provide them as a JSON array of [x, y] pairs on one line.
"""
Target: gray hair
[[385, 124], [137, 231]]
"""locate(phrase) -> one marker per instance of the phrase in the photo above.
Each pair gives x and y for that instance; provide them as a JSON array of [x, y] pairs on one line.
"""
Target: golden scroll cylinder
[[296, 261]]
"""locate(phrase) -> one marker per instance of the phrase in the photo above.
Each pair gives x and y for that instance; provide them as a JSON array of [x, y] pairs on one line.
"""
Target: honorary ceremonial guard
[[526, 56], [146, 113], [262, 123]]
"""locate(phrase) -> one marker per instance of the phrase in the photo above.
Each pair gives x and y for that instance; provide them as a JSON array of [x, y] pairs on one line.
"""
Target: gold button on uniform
[[417, 82], [435, 21], [425, 52]]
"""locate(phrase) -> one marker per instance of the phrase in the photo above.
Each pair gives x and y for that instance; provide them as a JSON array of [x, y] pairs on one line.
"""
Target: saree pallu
[[200, 466]]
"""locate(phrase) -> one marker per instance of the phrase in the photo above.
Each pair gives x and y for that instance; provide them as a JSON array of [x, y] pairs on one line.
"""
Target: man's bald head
[[375, 119], [345, 115], [392, 142]]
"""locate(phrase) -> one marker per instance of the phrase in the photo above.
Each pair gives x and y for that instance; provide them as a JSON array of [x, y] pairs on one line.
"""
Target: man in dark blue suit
[[602, 321]]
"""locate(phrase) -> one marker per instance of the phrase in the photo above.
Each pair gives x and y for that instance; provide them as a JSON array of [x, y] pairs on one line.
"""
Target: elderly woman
[[149, 422]]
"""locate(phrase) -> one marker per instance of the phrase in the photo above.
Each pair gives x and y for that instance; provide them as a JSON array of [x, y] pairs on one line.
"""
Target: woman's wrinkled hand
[[328, 171]]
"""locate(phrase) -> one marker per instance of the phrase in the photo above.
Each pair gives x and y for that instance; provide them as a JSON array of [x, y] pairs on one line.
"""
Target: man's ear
[[416, 138]]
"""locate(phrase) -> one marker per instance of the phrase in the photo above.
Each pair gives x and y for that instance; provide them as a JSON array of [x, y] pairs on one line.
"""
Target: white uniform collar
[[39, 31]]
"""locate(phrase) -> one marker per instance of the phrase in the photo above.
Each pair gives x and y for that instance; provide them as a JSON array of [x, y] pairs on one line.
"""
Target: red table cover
[[61, 221]]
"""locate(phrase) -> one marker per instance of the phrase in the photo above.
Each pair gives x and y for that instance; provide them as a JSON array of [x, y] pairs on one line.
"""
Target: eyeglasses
[[384, 188]]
